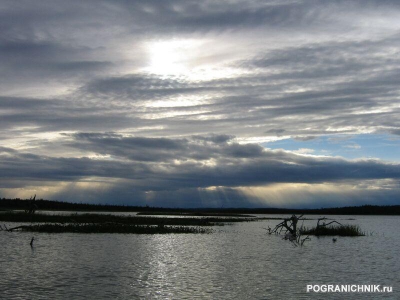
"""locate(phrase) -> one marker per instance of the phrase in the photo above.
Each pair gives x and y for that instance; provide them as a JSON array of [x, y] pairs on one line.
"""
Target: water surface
[[239, 261]]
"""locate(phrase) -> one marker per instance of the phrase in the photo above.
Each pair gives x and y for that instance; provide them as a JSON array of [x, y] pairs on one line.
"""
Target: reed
[[110, 228], [108, 218], [339, 230]]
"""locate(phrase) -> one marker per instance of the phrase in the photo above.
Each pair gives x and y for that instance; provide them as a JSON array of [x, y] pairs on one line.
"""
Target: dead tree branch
[[17, 228]]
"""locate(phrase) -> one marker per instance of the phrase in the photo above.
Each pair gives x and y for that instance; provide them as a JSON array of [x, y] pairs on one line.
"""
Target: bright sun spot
[[189, 58], [171, 57]]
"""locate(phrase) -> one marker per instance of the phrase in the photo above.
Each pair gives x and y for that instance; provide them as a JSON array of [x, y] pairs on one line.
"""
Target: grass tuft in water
[[340, 230]]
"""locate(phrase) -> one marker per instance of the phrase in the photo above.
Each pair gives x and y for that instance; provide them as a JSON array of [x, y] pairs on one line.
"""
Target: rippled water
[[238, 261]]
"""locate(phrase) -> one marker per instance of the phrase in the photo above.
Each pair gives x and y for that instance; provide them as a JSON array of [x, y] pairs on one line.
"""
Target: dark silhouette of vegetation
[[32, 206], [110, 228], [296, 234], [324, 228], [339, 230], [19, 204], [291, 231], [107, 223], [108, 218]]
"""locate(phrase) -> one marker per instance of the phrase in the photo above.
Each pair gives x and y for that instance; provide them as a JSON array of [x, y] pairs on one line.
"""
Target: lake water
[[238, 261]]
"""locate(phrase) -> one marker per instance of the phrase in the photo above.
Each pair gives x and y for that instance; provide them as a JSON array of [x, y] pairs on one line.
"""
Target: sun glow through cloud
[[172, 57], [188, 59]]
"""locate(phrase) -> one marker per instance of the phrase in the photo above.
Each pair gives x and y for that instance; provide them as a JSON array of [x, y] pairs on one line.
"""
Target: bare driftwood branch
[[325, 224], [288, 224], [293, 233], [290, 229], [17, 228]]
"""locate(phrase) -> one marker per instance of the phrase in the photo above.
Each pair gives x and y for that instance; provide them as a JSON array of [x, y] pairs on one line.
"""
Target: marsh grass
[[107, 223], [340, 230], [108, 218], [112, 228]]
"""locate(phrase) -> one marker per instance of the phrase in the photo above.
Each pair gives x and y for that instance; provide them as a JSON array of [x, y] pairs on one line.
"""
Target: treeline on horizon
[[20, 204]]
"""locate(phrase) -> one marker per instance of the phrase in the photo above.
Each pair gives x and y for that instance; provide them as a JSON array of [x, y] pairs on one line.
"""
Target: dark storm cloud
[[140, 88], [6, 150], [134, 148], [182, 163], [10, 103], [21, 19], [24, 60], [215, 138], [27, 166], [162, 149], [55, 115]]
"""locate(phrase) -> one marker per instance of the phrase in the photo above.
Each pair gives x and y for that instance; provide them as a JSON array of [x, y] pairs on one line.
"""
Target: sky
[[183, 103]]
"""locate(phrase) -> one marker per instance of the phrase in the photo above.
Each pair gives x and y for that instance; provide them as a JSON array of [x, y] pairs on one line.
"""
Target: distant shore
[[21, 204]]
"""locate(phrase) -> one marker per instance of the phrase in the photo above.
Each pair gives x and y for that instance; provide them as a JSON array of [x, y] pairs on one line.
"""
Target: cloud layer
[[173, 101], [153, 167]]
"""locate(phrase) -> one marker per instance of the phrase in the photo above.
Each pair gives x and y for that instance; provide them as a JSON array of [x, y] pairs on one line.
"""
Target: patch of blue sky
[[381, 146]]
